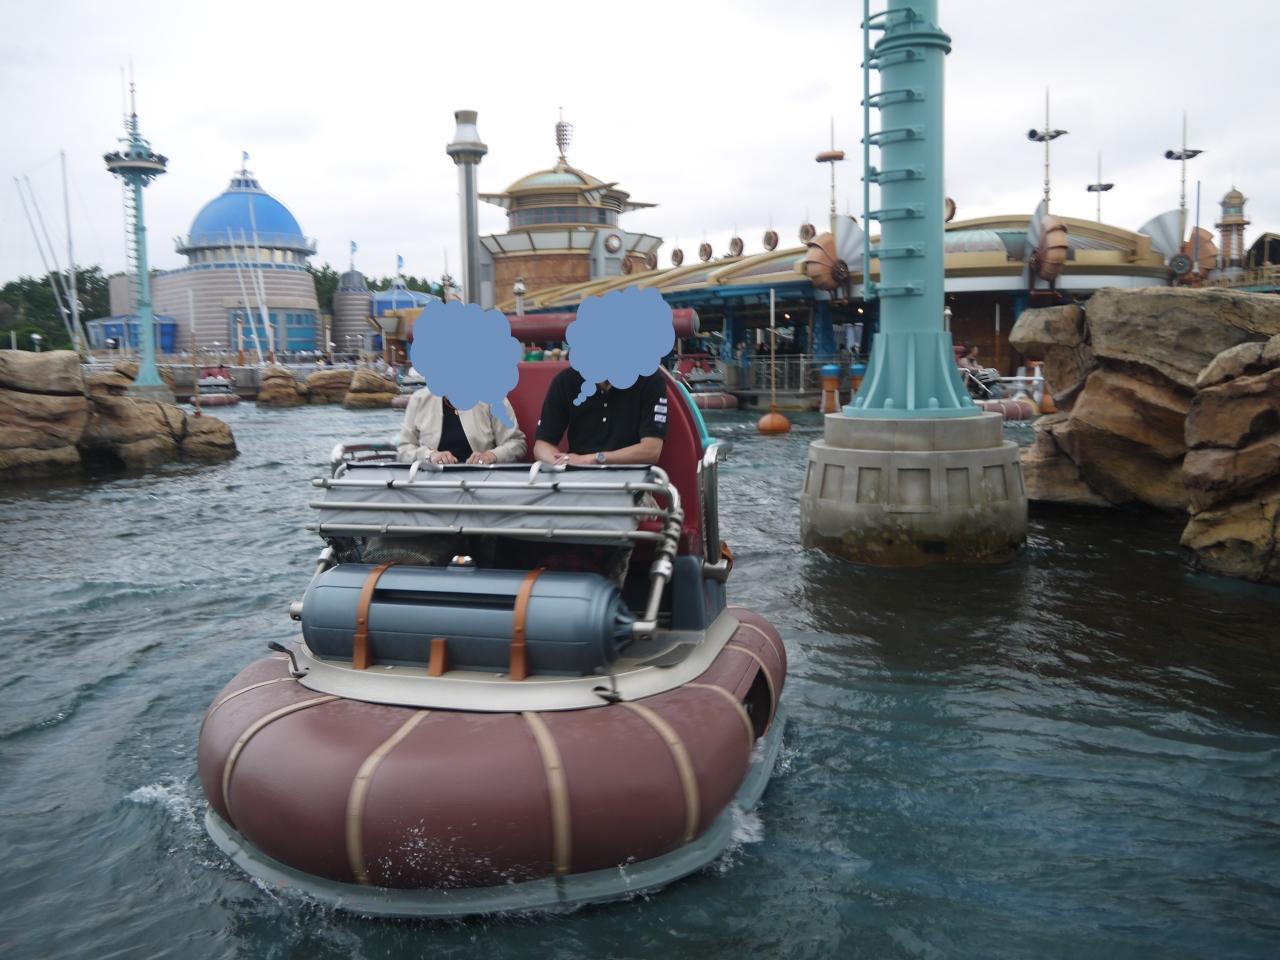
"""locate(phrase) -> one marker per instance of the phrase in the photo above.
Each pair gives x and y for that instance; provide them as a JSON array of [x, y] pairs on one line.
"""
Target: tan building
[[562, 228]]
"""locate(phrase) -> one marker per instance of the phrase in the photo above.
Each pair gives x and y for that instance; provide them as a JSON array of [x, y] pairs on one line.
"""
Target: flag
[[399, 262], [353, 248], [244, 157]]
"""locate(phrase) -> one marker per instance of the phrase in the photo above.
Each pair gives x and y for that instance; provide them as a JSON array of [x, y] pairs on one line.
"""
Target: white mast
[[53, 277], [273, 335], [71, 261], [244, 299]]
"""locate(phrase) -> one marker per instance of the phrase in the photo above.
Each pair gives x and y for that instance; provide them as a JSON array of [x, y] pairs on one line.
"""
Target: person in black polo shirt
[[610, 426]]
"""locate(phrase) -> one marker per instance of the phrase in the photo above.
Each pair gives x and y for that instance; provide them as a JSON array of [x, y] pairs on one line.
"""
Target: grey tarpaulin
[[367, 484]]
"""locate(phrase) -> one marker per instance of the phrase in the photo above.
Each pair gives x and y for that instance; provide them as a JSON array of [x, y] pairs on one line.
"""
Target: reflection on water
[[1073, 754]]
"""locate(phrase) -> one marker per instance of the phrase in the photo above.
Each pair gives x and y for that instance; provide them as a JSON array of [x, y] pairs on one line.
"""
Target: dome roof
[[353, 280], [1234, 197], [245, 208], [562, 175]]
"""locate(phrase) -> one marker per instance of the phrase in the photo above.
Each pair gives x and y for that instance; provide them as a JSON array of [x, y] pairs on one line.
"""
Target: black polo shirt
[[608, 419]]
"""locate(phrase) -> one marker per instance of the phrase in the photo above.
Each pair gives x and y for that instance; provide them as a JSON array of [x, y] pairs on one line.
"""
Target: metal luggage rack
[[427, 478]]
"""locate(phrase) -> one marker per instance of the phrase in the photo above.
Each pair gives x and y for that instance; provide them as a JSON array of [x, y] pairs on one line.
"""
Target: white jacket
[[424, 419]]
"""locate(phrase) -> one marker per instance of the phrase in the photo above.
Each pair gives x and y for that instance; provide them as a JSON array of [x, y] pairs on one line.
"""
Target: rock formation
[[53, 420], [278, 388], [1124, 373], [369, 390], [1232, 467], [328, 386]]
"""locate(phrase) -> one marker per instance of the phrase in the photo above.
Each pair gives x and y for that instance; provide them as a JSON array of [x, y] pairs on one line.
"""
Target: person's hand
[[443, 456], [578, 459], [485, 456]]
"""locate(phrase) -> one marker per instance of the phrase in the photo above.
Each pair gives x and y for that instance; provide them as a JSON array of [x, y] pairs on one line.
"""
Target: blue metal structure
[[912, 373], [247, 214], [137, 165]]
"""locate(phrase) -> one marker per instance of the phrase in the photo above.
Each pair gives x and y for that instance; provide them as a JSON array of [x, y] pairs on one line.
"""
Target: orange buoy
[[773, 423]]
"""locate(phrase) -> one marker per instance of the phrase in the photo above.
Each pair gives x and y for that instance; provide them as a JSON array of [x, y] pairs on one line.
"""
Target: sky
[[713, 110]]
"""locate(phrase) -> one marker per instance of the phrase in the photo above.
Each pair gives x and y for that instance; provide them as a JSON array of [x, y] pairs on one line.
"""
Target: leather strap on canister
[[361, 657], [519, 663]]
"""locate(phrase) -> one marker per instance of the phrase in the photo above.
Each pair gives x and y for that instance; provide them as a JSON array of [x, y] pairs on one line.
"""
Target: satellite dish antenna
[[704, 252], [1165, 232], [735, 247], [948, 210], [807, 232], [651, 261], [677, 257], [849, 240], [771, 239]]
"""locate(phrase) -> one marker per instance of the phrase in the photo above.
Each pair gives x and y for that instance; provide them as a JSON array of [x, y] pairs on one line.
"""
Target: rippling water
[[1076, 754]]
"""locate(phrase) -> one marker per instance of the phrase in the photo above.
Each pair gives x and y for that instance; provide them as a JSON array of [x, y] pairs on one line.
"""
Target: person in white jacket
[[435, 430]]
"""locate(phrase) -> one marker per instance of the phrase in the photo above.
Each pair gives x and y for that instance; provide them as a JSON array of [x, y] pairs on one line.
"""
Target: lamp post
[[36, 340], [1099, 188], [1182, 156], [1045, 136], [518, 289]]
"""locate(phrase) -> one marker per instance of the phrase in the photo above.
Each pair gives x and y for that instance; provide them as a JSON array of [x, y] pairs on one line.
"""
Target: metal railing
[[794, 373], [1268, 275]]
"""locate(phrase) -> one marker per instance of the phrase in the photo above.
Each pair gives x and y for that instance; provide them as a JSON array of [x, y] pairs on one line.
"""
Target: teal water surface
[[1076, 754]]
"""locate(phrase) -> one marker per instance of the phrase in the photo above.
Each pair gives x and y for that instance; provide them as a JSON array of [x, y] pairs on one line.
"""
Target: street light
[[1099, 188], [1045, 136], [518, 289], [1182, 156]]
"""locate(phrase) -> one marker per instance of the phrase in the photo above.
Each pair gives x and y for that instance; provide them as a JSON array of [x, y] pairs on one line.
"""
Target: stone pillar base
[[914, 492], [160, 393]]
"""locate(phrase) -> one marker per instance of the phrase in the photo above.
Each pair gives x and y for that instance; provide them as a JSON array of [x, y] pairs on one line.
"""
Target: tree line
[[30, 305]]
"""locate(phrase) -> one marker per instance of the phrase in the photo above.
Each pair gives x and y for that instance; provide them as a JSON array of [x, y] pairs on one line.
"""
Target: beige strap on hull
[[557, 792], [252, 686], [254, 729], [519, 662], [738, 708], [684, 767], [768, 677], [360, 793], [361, 657], [781, 654]]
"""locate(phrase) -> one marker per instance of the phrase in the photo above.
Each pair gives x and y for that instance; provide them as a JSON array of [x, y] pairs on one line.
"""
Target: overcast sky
[[713, 110]]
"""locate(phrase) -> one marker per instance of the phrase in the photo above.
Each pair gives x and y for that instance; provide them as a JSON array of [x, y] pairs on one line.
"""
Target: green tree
[[326, 281], [29, 305]]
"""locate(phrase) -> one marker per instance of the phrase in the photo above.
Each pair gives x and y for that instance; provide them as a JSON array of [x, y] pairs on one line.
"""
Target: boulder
[[1049, 475], [328, 386], [1059, 337], [278, 388], [39, 433], [129, 368], [131, 432], [1214, 475], [1232, 362], [113, 384], [1125, 435], [55, 372], [368, 390], [1177, 331], [208, 440], [1239, 539], [1236, 413]]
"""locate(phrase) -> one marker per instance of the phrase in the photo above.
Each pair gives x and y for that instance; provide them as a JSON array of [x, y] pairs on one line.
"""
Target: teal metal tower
[[912, 372], [137, 165]]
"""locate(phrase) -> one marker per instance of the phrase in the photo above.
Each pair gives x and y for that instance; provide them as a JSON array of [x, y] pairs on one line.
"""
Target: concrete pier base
[[159, 392], [914, 492]]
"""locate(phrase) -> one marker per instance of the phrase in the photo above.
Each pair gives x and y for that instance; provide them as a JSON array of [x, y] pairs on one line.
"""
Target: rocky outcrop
[[278, 388], [53, 420], [328, 386], [368, 390], [1232, 467], [1126, 374], [129, 369], [1059, 337], [44, 408]]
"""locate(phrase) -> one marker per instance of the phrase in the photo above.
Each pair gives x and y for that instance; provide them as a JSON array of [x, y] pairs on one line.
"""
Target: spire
[[564, 134]]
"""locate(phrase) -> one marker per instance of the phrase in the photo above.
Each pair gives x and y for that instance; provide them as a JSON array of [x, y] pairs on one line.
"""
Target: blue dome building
[[246, 274]]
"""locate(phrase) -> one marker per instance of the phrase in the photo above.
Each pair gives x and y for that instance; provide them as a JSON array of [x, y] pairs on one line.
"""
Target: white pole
[[244, 298], [53, 278], [71, 264], [273, 335]]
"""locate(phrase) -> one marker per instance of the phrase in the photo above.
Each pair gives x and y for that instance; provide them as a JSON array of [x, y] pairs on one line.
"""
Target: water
[[1073, 755]]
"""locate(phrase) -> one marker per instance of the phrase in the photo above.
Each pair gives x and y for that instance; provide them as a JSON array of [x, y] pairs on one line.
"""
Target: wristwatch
[[600, 457]]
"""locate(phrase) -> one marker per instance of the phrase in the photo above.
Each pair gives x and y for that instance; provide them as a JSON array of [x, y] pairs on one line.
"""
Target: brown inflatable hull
[[395, 797], [715, 401]]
